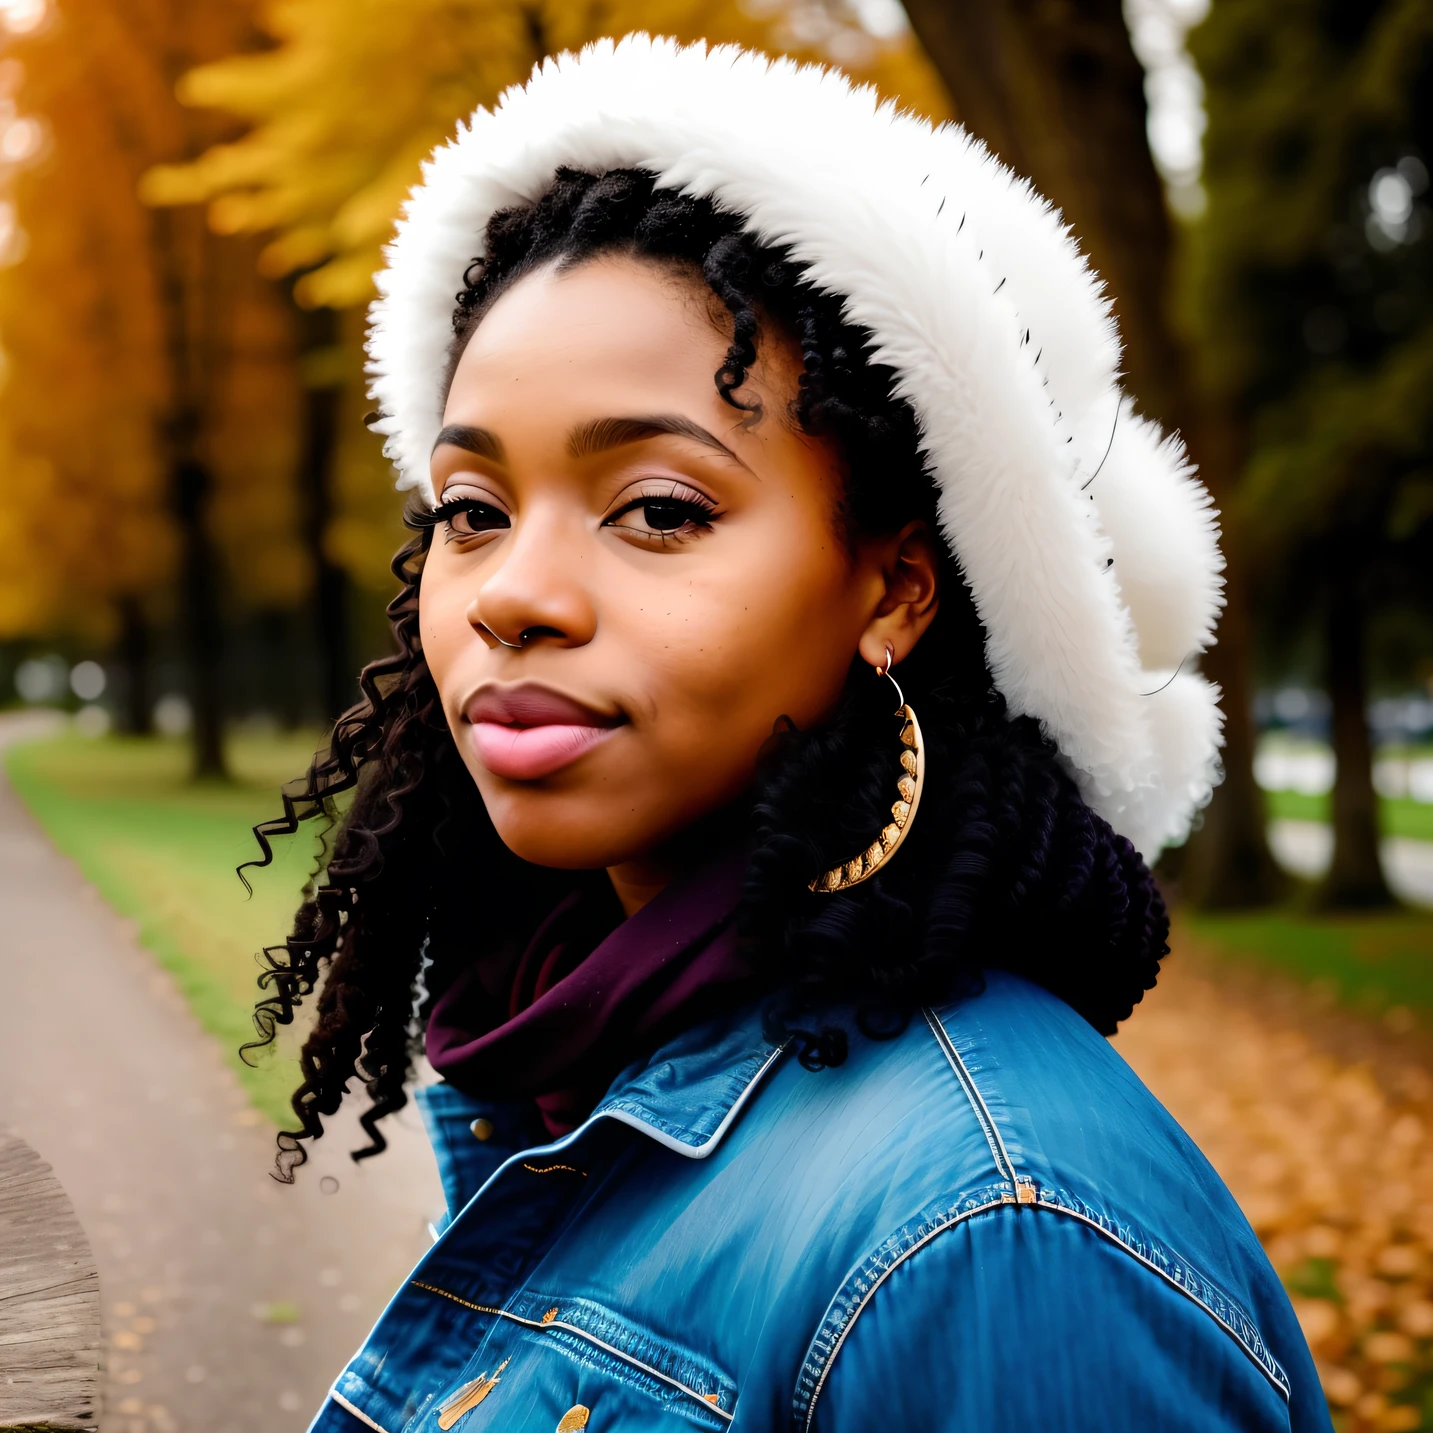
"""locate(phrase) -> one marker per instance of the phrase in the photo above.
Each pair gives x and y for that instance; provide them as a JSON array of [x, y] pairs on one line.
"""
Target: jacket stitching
[[1187, 1281], [358, 1413], [843, 1321], [634, 1117], [616, 1353], [1004, 1165], [837, 1325], [639, 1343], [1206, 1295], [881, 1265], [638, 1116]]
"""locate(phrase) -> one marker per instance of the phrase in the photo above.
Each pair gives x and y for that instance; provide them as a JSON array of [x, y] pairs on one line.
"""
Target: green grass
[[161, 849], [1372, 963], [1400, 816]]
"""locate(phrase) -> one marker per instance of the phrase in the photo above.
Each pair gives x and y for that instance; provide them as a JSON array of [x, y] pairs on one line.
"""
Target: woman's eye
[[467, 517], [665, 516]]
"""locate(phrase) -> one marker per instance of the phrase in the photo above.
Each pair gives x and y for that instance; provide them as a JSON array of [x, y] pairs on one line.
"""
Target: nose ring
[[501, 641]]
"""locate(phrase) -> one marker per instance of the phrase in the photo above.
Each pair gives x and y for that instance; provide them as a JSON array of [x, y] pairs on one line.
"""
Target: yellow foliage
[[357, 92], [353, 96], [81, 503], [131, 333]]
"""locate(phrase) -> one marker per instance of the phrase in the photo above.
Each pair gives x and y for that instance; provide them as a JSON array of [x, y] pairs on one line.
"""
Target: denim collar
[[690, 1092]]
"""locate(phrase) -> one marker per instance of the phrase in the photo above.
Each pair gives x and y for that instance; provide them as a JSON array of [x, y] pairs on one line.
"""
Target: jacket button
[[482, 1129], [574, 1419]]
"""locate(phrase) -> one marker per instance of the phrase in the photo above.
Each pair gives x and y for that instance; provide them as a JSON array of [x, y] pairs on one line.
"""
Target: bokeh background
[[195, 529]]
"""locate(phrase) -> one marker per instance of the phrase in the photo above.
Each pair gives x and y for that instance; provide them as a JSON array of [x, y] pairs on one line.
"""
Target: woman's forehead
[[605, 297], [614, 331]]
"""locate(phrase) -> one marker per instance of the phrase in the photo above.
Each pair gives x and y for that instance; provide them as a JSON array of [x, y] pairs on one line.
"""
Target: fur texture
[[1088, 544]]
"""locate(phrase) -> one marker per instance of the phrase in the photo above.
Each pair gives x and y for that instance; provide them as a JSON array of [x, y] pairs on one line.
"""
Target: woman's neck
[[637, 882], [646, 876]]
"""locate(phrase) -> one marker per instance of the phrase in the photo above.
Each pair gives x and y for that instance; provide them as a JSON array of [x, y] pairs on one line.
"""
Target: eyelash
[[444, 513], [699, 511]]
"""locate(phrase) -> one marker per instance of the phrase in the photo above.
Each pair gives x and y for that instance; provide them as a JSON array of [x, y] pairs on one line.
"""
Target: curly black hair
[[1006, 866]]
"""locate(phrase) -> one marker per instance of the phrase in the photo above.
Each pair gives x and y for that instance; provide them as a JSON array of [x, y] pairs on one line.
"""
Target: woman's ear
[[910, 563]]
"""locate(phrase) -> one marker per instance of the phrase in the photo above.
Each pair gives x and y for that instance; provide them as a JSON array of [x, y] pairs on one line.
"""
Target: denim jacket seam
[[355, 1410], [842, 1312], [985, 1118], [1200, 1290], [859, 1288], [556, 1325], [1181, 1275]]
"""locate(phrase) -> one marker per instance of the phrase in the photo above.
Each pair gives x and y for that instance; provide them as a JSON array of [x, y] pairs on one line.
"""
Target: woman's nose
[[534, 593]]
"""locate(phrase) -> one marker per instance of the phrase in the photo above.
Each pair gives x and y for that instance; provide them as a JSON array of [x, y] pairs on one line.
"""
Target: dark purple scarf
[[585, 998]]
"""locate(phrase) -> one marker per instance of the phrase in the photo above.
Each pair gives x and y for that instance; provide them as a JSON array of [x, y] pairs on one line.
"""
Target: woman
[[767, 993]]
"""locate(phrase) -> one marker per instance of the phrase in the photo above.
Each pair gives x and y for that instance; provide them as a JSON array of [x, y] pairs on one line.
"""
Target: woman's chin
[[581, 830], [567, 831]]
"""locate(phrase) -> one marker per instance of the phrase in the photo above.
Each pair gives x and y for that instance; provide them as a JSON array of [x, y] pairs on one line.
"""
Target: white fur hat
[[1089, 546]]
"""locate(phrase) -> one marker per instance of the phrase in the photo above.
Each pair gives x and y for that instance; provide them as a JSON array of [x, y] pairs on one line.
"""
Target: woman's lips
[[526, 753], [528, 731]]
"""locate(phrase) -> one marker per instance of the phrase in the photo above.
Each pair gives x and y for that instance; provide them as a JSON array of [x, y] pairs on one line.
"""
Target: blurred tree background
[[196, 526], [194, 200], [1305, 289], [194, 203], [151, 374]]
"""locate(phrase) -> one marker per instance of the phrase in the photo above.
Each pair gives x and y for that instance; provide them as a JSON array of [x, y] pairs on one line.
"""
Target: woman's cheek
[[716, 696], [440, 644], [454, 653]]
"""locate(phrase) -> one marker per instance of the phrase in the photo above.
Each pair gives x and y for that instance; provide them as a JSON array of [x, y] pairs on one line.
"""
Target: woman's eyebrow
[[600, 434], [473, 440]]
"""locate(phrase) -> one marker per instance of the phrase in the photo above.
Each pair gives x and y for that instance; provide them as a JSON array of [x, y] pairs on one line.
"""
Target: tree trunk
[[281, 693], [201, 623], [1228, 864], [1355, 879], [135, 708], [1056, 90], [322, 404], [183, 247]]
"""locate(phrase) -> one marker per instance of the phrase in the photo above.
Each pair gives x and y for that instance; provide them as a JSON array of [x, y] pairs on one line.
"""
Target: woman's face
[[632, 583]]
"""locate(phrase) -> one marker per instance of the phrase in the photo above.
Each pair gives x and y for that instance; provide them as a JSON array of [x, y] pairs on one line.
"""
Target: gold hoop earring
[[903, 811]]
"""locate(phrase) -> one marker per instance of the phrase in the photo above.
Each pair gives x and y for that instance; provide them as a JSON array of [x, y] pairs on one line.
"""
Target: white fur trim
[[1089, 546]]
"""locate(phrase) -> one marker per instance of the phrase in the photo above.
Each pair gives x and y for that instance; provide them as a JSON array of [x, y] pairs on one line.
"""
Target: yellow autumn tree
[[355, 93], [82, 528], [148, 414], [358, 92]]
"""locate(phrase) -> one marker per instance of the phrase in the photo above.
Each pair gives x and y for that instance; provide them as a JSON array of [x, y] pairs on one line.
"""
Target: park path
[[230, 1302]]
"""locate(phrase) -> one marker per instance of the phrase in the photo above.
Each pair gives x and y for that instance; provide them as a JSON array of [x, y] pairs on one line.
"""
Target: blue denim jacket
[[987, 1222]]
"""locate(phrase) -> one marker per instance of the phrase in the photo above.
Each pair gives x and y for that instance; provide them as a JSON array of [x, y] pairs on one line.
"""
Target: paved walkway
[[230, 1302]]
